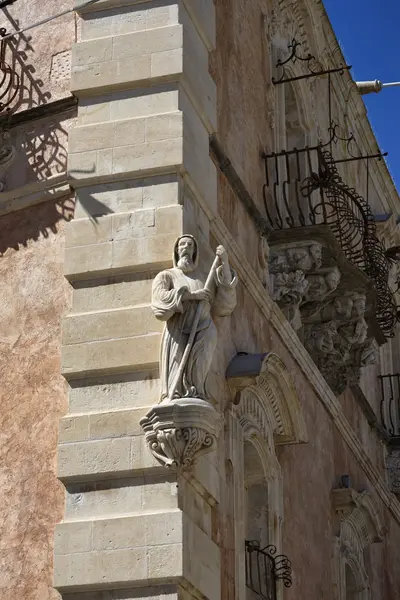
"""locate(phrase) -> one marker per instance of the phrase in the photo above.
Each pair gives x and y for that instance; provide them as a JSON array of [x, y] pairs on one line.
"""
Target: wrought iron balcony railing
[[303, 188], [264, 568], [390, 403]]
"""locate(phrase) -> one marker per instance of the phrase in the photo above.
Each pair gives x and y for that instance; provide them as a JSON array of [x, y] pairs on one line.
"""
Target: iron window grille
[[264, 567]]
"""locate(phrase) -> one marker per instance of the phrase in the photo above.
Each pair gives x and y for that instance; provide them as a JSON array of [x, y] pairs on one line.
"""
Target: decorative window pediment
[[271, 398], [360, 526]]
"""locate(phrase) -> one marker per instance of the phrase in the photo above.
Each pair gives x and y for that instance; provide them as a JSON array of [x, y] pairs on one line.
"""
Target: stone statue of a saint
[[182, 299]]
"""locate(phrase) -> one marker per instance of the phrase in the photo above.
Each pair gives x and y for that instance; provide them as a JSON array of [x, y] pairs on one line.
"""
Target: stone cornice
[[274, 315]]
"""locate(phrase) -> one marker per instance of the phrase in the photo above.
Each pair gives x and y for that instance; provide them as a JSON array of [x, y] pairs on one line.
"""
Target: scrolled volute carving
[[179, 432]]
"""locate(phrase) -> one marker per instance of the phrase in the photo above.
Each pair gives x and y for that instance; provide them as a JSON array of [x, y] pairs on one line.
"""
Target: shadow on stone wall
[[19, 53], [39, 221]]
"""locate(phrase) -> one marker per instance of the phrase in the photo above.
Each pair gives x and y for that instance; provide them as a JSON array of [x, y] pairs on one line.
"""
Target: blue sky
[[369, 33]]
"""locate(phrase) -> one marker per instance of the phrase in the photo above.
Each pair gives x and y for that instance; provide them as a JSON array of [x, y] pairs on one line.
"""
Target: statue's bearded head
[[185, 254]]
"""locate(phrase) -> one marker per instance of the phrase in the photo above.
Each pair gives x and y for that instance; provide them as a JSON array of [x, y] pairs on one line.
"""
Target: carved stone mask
[[333, 278], [316, 253]]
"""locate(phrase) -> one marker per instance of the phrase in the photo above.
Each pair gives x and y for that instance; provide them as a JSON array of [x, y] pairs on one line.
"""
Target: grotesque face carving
[[316, 253], [343, 306], [332, 279], [299, 258], [359, 302]]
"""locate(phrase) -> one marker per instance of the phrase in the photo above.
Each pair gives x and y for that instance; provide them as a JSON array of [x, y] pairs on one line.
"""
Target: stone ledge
[[119, 533], [118, 568], [127, 195], [106, 4], [124, 20], [155, 592], [112, 293], [104, 425], [110, 325], [111, 356], [140, 223], [131, 550], [111, 258], [138, 495], [126, 132], [104, 459], [141, 160], [126, 73], [112, 393]]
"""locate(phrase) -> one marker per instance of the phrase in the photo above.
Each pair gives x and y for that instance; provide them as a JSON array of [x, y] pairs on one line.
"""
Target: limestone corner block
[[100, 425], [129, 255], [127, 59], [111, 356], [133, 549], [106, 325], [119, 551], [103, 459]]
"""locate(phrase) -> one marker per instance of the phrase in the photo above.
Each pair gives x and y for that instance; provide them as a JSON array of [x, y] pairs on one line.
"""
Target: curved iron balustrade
[[264, 567], [306, 190]]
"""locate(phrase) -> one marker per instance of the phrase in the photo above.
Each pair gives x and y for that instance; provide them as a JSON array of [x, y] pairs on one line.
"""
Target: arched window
[[256, 497], [359, 527], [266, 413]]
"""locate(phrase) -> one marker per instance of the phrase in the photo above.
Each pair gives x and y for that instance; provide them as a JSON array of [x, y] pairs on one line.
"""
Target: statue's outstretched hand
[[222, 253]]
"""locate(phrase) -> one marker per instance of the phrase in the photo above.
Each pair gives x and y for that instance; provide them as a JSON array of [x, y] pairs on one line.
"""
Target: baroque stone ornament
[[185, 423], [328, 301], [359, 525], [179, 432]]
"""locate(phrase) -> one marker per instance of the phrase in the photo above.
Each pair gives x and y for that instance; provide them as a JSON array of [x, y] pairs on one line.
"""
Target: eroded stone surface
[[33, 296]]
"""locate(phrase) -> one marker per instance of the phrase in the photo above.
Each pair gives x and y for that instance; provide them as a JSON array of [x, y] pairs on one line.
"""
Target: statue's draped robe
[[167, 304]]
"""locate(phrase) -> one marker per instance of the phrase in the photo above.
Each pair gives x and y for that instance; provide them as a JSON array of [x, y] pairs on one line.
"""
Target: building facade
[[159, 440]]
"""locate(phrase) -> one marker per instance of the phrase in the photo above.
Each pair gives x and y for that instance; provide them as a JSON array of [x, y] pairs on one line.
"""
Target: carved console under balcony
[[328, 300], [328, 269]]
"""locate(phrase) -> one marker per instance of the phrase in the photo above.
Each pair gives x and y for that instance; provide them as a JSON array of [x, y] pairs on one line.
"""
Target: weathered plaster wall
[[40, 57], [41, 154], [33, 297]]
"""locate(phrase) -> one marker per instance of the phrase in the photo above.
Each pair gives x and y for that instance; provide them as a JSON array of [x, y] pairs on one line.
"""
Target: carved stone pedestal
[[179, 432]]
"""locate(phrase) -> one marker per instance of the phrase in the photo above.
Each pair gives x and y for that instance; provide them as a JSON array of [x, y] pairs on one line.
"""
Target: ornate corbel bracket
[[329, 301], [179, 432]]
